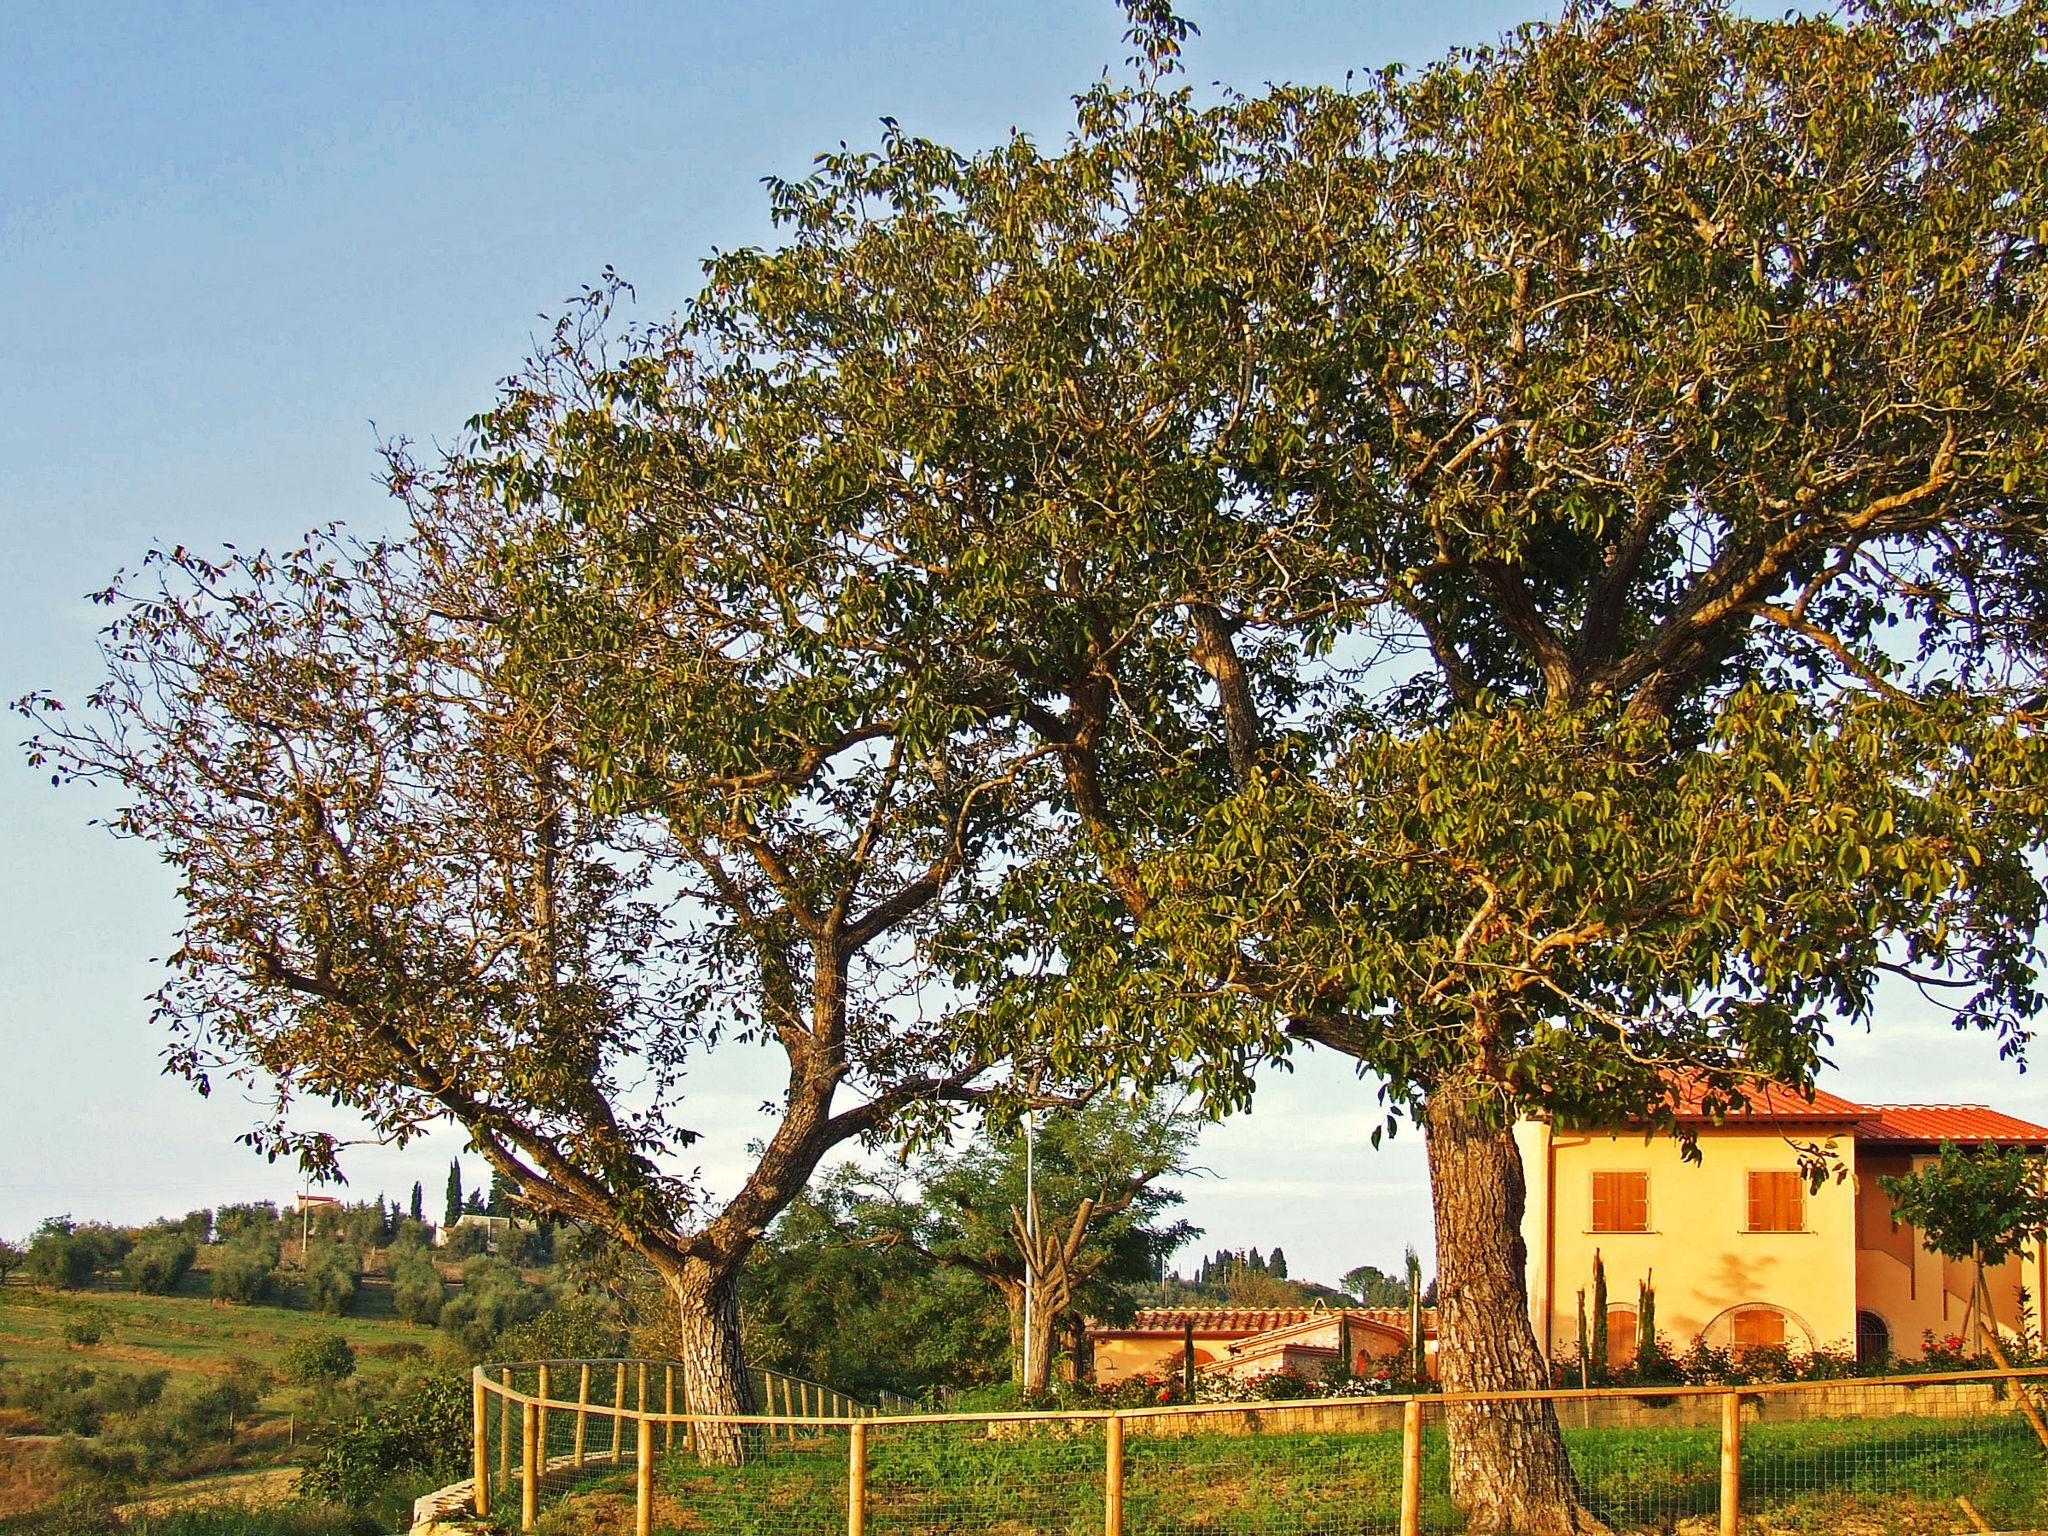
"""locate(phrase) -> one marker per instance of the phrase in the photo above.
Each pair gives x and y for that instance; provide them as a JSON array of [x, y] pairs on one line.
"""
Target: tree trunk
[[1038, 1379], [1509, 1471], [708, 1347], [1043, 1330]]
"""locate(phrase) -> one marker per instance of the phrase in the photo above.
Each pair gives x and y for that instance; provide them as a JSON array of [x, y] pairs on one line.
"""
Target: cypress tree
[[1599, 1311], [418, 1202], [454, 1192]]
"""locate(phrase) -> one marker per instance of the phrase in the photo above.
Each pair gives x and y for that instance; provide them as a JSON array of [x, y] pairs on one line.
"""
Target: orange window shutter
[[1621, 1202]]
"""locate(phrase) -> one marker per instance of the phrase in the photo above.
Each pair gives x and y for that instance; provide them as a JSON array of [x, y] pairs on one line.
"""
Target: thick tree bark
[[1044, 1330], [708, 1346], [1509, 1471]]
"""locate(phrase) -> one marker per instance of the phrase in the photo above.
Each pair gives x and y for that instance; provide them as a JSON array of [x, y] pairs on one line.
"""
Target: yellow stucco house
[[1741, 1252]]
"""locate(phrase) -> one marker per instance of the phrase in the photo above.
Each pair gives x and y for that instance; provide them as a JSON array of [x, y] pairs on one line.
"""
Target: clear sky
[[233, 238]]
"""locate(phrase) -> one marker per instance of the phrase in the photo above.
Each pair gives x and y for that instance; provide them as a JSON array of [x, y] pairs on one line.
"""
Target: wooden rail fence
[[799, 1408]]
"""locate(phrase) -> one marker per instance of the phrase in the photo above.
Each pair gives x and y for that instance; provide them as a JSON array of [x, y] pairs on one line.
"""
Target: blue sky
[[237, 243]]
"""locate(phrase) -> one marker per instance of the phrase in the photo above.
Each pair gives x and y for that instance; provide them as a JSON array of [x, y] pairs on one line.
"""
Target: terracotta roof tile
[[1965, 1124], [1773, 1101]]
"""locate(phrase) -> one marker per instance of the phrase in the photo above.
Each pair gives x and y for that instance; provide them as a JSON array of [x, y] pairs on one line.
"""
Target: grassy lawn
[[1855, 1477]]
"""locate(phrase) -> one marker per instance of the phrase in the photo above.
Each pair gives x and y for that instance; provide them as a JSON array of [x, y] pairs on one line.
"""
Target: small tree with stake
[[1983, 1207]]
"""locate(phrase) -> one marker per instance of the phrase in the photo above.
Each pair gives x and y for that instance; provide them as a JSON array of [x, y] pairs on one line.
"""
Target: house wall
[[1915, 1292], [1158, 1354], [1703, 1263]]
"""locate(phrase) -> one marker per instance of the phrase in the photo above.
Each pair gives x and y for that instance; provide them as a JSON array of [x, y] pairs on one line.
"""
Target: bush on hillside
[[317, 1361], [332, 1274], [492, 1299], [423, 1435], [155, 1265], [417, 1290], [58, 1259], [71, 1400], [465, 1242], [230, 1221], [245, 1269]]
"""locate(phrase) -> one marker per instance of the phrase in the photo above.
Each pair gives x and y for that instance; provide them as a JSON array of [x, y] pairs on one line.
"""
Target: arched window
[[1758, 1325], [1757, 1328], [1873, 1339]]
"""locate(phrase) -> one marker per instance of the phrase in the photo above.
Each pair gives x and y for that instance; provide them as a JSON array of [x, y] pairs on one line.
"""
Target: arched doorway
[[1873, 1339]]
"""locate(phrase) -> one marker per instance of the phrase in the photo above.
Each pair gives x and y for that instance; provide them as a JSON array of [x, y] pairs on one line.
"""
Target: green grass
[[188, 1333], [1877, 1475]]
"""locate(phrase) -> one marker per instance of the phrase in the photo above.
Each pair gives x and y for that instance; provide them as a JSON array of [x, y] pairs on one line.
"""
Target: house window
[[1777, 1202], [1757, 1328], [1621, 1202], [1621, 1336]]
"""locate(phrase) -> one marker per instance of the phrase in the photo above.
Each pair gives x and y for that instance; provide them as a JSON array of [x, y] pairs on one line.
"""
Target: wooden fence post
[[505, 1430], [529, 1470], [668, 1399], [856, 1480], [582, 1410], [1113, 1476], [1411, 1467], [541, 1415], [618, 1423], [1731, 1463], [643, 1482], [480, 1446]]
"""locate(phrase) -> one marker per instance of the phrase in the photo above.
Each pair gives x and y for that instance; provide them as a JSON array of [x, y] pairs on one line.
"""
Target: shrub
[[422, 1434], [417, 1291], [155, 1265], [331, 1280], [578, 1330], [532, 1247], [492, 1299], [245, 1269], [58, 1259], [72, 1400], [230, 1221], [84, 1328], [466, 1242], [318, 1361]]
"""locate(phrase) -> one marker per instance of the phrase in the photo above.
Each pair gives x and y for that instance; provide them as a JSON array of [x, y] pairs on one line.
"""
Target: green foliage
[[332, 1280], [1373, 1287], [1098, 1180], [460, 1242], [822, 1299], [86, 1327], [159, 1261], [230, 1221], [452, 1208], [417, 1290], [245, 1267], [11, 1257], [1980, 1205], [492, 1299], [71, 1400], [62, 1256], [317, 1360], [580, 1328], [423, 1434]]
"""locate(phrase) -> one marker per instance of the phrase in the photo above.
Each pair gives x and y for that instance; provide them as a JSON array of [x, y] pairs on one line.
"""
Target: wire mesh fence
[[584, 1445]]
